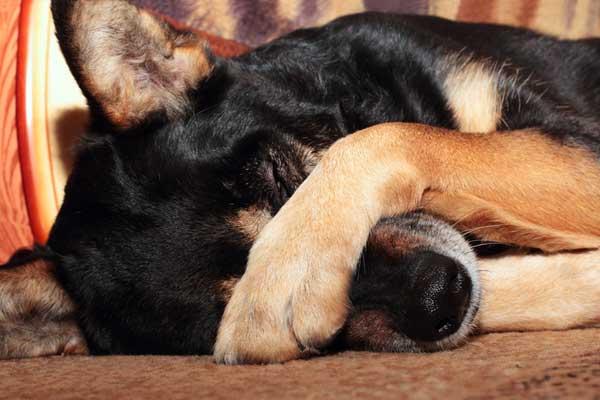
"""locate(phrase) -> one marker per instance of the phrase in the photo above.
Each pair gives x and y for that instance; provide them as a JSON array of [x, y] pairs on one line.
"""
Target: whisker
[[482, 227], [459, 220], [474, 246]]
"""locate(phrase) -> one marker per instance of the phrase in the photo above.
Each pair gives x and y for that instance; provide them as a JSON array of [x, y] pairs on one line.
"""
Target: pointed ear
[[129, 64]]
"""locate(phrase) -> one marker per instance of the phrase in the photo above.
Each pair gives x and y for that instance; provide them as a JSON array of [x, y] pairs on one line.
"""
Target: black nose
[[440, 292]]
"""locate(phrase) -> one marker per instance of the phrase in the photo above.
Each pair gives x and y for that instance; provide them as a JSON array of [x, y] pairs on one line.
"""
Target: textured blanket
[[254, 22], [533, 366]]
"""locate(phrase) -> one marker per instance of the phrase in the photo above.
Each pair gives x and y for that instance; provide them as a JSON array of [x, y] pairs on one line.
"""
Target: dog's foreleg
[[540, 291], [293, 295]]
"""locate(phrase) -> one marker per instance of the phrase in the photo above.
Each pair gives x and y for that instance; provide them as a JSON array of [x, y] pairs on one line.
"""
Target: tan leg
[[293, 295], [539, 292]]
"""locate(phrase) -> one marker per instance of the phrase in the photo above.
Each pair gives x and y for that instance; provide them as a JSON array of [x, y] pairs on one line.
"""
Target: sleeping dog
[[323, 190]]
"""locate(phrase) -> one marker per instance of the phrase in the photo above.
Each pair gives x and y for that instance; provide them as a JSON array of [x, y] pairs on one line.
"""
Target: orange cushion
[[15, 231]]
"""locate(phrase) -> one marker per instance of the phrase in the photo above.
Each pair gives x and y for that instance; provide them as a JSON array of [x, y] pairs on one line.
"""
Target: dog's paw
[[75, 346], [292, 300], [39, 337], [293, 297]]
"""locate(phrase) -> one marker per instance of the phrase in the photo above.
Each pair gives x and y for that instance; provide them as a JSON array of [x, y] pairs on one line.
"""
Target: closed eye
[[283, 187], [280, 190]]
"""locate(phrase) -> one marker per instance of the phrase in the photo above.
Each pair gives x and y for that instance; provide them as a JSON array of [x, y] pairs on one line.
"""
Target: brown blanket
[[543, 365]]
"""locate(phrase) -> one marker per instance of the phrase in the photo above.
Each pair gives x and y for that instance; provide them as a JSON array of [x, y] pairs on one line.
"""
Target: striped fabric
[[253, 22], [15, 231]]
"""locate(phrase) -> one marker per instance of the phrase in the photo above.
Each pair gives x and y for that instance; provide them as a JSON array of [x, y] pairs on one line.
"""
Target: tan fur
[[385, 239], [493, 224], [293, 295], [309, 156], [535, 292], [251, 221], [36, 315], [473, 96], [36, 338], [156, 65], [226, 287], [370, 329], [510, 173]]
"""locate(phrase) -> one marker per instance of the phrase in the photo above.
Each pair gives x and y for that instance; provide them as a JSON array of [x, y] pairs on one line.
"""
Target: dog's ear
[[129, 64]]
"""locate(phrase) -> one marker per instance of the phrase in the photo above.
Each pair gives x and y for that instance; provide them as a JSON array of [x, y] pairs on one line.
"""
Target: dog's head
[[188, 157]]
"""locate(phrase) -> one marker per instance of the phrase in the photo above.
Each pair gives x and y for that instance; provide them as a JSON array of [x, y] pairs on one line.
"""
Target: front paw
[[293, 297], [282, 316]]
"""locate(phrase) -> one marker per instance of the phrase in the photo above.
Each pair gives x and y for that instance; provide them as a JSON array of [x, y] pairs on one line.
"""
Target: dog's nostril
[[447, 327]]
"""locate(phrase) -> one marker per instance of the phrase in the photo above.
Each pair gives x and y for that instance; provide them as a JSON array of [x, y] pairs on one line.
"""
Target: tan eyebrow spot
[[226, 287], [251, 221]]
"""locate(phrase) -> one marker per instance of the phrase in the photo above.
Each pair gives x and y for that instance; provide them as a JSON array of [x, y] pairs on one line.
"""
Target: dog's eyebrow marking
[[310, 157], [251, 221], [471, 89]]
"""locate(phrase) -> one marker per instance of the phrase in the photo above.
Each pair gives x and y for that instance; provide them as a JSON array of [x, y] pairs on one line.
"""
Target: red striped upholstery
[[15, 230]]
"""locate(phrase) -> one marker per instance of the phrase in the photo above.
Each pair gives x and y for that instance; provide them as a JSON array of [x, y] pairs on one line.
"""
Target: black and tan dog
[[166, 240]]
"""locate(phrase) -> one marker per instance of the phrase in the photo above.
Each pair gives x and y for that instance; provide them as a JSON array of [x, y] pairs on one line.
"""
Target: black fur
[[142, 240], [26, 256]]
